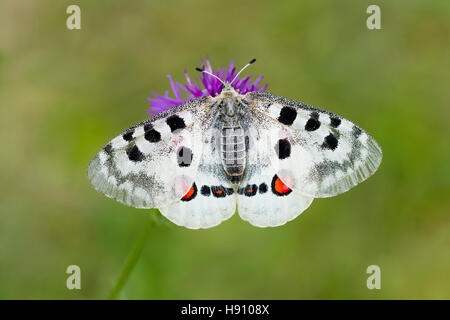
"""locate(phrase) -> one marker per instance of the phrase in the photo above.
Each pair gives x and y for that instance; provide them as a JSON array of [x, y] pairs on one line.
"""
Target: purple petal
[[203, 86]]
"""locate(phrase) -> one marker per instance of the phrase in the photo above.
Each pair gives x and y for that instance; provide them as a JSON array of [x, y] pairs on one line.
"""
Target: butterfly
[[264, 156]]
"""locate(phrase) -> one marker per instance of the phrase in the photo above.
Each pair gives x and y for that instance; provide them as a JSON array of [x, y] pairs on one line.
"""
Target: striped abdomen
[[232, 151]]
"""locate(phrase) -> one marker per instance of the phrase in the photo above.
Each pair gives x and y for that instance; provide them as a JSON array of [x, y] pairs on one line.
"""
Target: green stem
[[131, 261]]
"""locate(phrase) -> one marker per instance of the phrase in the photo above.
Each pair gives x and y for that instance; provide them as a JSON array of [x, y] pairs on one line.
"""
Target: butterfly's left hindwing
[[317, 153]]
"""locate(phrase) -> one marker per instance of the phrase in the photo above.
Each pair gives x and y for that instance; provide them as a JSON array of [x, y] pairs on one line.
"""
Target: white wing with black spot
[[144, 166], [324, 154]]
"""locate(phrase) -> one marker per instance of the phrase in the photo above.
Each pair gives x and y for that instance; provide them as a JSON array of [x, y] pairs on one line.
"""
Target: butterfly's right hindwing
[[212, 198]]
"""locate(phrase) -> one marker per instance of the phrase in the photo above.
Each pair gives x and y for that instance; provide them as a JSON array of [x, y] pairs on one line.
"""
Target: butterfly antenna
[[251, 61], [211, 74]]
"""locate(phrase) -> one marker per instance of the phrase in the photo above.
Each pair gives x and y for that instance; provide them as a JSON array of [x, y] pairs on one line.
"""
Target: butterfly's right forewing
[[169, 162], [153, 163]]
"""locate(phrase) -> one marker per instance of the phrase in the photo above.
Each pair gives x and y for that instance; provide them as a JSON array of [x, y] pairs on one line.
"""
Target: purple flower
[[206, 85]]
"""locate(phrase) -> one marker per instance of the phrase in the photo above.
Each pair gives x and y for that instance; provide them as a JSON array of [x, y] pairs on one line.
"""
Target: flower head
[[207, 85]]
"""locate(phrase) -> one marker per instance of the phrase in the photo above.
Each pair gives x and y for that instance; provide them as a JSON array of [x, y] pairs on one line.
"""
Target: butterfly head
[[227, 89], [229, 103]]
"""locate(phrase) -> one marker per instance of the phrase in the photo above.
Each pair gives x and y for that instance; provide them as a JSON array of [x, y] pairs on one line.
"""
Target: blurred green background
[[64, 93]]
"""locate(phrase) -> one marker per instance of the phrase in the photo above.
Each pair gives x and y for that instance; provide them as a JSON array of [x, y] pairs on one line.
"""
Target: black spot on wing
[[262, 188], [151, 134], [287, 115], [175, 123], [184, 156], [356, 131], [335, 122], [330, 142], [206, 191], [313, 122], [219, 191], [250, 190], [283, 148], [230, 191], [314, 115], [134, 154], [108, 149], [128, 136]]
